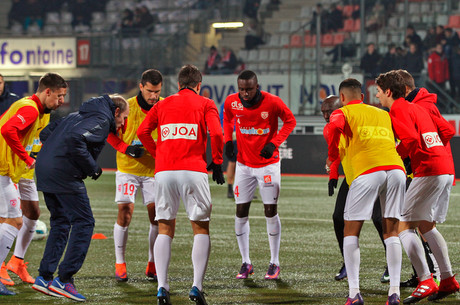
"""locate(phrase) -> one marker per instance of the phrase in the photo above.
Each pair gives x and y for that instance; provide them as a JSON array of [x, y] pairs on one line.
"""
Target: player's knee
[[270, 210], [242, 210]]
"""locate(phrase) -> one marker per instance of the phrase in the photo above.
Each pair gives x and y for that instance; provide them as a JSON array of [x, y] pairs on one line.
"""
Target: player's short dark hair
[[151, 76], [189, 76], [351, 84], [119, 101], [52, 81], [407, 78], [247, 75], [392, 81]]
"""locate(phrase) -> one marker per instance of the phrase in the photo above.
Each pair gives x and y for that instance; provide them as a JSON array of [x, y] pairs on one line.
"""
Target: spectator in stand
[[429, 42], [452, 41], [413, 37], [16, 14], [251, 9], [392, 60], [228, 61], [335, 19], [440, 34], [144, 20], [346, 49], [80, 12], [413, 63], [377, 18], [438, 69], [370, 63], [319, 11], [452, 38], [455, 76], [127, 22], [254, 35], [212, 62], [34, 13]]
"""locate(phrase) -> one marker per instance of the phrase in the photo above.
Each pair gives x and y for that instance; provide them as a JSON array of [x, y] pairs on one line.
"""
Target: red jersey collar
[[355, 102], [35, 98]]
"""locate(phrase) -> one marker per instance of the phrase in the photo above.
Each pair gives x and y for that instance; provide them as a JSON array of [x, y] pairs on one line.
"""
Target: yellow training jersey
[[37, 145], [370, 141], [145, 165], [10, 164]]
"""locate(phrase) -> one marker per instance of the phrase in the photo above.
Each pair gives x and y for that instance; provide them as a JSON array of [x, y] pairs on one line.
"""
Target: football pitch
[[309, 255]]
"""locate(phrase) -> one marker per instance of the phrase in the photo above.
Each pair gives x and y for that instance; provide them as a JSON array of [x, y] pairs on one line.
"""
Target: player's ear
[[117, 112], [362, 96]]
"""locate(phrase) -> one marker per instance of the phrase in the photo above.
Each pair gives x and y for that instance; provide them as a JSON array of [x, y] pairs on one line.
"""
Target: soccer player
[[183, 120], [6, 96], [428, 101], [329, 105], [256, 114], [423, 138], [70, 149], [135, 170], [373, 169], [19, 125]]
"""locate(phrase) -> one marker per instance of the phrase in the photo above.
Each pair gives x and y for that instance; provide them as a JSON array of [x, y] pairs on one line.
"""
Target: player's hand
[[332, 185], [31, 166], [33, 154], [407, 166], [229, 150], [267, 151], [96, 174], [217, 174], [135, 151]]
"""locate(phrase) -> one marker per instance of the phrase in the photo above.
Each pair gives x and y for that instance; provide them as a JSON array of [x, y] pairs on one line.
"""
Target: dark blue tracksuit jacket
[[71, 146]]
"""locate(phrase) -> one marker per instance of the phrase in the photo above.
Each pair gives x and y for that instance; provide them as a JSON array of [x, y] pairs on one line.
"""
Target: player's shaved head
[[329, 105], [247, 75], [350, 90]]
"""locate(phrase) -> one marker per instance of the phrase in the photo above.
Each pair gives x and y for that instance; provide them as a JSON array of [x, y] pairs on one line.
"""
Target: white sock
[[438, 246], [352, 260], [24, 236], [200, 256], [153, 233], [394, 261], [414, 249], [120, 237], [7, 235], [274, 237], [242, 236], [162, 252]]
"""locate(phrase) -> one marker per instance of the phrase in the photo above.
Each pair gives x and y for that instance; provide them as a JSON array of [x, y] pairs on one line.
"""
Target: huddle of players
[[358, 135], [176, 156]]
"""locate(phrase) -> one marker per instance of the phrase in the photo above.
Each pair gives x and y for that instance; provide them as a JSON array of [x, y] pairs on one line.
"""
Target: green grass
[[309, 254]]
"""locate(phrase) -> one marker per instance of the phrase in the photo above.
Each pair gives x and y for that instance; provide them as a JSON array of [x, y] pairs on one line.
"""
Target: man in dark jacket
[[70, 149], [6, 97]]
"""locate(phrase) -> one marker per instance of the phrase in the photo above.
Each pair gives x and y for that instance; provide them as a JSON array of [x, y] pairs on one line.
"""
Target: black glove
[[229, 151], [135, 151], [407, 166], [332, 185], [217, 174], [96, 174], [33, 154], [267, 151]]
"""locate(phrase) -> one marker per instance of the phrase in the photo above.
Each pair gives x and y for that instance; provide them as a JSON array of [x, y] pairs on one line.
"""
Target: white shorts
[[247, 178], [192, 187], [390, 186], [127, 185], [27, 189], [427, 199], [10, 204]]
